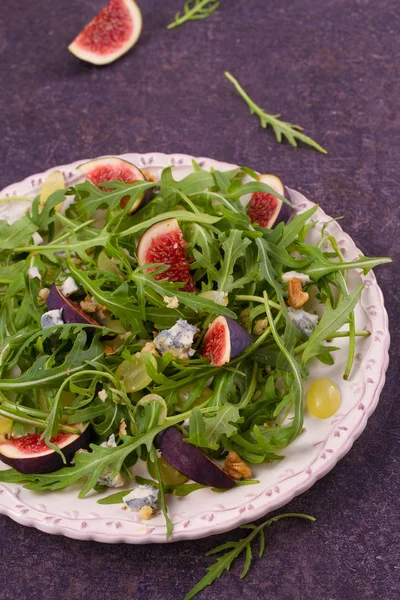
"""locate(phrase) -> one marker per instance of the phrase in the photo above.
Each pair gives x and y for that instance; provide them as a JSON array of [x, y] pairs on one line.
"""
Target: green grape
[[323, 398], [132, 373]]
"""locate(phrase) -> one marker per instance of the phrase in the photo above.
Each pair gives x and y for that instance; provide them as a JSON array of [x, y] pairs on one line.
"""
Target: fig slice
[[29, 454], [265, 209], [71, 311], [110, 34], [190, 460], [111, 168], [224, 340], [163, 242]]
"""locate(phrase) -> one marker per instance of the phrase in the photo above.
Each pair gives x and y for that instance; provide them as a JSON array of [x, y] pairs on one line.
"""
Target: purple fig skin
[[190, 461], [285, 212], [239, 337], [72, 312], [48, 463]]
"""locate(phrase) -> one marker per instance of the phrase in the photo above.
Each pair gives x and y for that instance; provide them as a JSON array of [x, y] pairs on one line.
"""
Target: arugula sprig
[[194, 10], [232, 550], [292, 133]]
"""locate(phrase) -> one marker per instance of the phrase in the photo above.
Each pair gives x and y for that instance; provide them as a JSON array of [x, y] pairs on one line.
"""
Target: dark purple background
[[329, 65]]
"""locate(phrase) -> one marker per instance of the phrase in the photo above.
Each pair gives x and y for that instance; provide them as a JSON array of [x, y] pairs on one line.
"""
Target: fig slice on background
[[110, 34], [163, 242], [224, 340], [71, 311], [30, 454], [111, 168], [265, 209], [190, 460]]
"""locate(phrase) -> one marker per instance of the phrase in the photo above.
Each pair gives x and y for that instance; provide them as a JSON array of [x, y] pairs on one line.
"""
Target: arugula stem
[[250, 389], [259, 299], [338, 334], [34, 422]]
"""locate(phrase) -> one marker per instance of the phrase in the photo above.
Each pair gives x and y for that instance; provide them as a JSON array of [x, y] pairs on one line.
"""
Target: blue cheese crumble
[[141, 496], [50, 318], [177, 340], [105, 478], [69, 287], [302, 320]]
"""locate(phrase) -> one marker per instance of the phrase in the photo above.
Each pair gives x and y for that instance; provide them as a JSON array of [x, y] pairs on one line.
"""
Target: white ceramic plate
[[309, 458]]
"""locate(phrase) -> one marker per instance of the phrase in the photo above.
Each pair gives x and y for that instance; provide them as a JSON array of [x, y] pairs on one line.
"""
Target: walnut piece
[[235, 467], [260, 326], [150, 348], [145, 513], [296, 297]]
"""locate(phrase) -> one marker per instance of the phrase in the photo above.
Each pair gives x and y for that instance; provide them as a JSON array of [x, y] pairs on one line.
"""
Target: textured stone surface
[[329, 65]]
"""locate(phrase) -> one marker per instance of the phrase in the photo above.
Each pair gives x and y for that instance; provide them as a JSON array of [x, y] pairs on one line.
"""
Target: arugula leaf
[[234, 247], [234, 549], [281, 128], [206, 431], [16, 234], [189, 299], [39, 376], [330, 322]]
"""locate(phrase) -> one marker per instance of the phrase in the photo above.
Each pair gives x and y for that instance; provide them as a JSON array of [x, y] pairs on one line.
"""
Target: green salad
[[164, 321]]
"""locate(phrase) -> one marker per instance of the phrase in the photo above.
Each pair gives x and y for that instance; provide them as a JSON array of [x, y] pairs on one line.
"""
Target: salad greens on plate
[[168, 321]]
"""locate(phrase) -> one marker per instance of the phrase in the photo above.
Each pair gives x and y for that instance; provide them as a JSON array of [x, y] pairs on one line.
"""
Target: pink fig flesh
[[267, 210], [164, 243], [100, 170], [224, 340], [30, 454]]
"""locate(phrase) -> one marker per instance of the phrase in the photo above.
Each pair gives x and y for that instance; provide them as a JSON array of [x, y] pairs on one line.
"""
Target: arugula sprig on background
[[232, 550], [282, 129], [194, 10]]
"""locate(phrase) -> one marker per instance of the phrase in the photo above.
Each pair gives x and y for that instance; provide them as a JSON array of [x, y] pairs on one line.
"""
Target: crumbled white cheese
[[140, 496], [69, 287], [304, 321], [171, 301], [103, 396], [110, 443], [33, 273], [52, 317], [178, 339], [286, 277], [115, 482], [37, 238]]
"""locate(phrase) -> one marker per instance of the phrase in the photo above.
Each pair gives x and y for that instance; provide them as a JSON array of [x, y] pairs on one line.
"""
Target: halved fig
[[265, 209], [190, 460], [71, 311], [224, 340], [30, 454], [109, 169], [163, 243], [110, 34]]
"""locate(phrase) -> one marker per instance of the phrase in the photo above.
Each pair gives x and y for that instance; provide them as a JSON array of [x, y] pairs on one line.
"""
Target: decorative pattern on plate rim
[[345, 428]]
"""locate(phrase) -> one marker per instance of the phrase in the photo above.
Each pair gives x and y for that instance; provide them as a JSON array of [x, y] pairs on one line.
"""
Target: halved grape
[[323, 398], [106, 264], [132, 373], [184, 392], [169, 475]]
